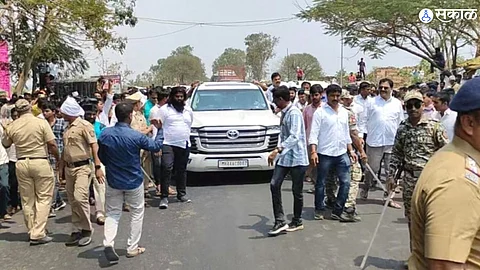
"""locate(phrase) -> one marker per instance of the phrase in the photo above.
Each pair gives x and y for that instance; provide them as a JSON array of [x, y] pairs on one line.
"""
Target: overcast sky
[[209, 42]]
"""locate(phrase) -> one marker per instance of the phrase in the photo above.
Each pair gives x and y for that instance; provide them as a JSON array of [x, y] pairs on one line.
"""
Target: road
[[225, 227]]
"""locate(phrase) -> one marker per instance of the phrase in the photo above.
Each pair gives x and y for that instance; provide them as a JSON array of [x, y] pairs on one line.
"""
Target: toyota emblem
[[233, 134]]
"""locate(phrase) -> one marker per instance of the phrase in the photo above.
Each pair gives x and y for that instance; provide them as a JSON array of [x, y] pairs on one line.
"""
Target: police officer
[[80, 144], [445, 218], [35, 176], [417, 139]]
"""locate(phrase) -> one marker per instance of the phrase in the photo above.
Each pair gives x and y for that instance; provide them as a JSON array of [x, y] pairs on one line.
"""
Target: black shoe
[[295, 226], [110, 254], [73, 240], [163, 203], [319, 215], [184, 199], [41, 241], [60, 205], [52, 213], [278, 228], [86, 238], [353, 213], [343, 217], [330, 204]]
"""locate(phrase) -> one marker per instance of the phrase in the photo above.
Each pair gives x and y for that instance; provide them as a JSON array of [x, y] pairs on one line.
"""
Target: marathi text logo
[[447, 14]]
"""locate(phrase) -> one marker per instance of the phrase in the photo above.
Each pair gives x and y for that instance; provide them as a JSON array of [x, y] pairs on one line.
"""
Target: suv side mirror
[[272, 108]]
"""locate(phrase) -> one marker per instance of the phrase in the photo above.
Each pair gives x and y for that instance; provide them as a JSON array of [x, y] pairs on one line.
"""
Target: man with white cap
[[139, 123], [80, 144], [453, 82]]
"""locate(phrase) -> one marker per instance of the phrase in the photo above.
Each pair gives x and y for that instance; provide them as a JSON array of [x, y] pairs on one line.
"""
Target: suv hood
[[235, 118]]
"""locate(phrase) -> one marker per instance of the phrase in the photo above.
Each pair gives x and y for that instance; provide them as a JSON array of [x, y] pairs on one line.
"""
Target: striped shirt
[[58, 128]]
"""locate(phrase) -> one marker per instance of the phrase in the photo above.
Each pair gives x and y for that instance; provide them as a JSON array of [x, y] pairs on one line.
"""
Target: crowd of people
[[337, 138]]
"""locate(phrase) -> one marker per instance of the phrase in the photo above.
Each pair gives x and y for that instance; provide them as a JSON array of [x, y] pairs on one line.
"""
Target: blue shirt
[[119, 150], [292, 138]]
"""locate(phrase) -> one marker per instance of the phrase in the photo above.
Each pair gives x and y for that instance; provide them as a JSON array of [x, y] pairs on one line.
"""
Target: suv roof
[[226, 86]]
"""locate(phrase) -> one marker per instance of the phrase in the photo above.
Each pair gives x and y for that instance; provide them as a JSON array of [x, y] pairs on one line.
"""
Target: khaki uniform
[[445, 218], [355, 173], [413, 147], [34, 174], [77, 138], [139, 122]]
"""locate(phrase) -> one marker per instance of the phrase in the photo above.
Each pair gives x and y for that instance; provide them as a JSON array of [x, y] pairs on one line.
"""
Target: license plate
[[242, 163]]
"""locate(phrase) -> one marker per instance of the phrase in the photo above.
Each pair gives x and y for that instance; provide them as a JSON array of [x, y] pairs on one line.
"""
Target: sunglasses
[[383, 88], [417, 104]]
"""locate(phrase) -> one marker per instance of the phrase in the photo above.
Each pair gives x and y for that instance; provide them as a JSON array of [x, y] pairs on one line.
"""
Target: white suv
[[234, 128]]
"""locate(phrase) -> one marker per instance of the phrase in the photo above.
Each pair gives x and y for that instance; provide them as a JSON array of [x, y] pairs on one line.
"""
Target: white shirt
[[270, 91], [299, 105], [383, 119], [330, 131], [103, 116], [3, 152], [12, 153], [154, 115], [361, 111], [448, 121], [176, 125]]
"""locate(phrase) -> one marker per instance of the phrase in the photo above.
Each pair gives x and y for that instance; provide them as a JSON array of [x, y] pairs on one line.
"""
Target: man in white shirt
[[4, 185], [175, 118], [384, 114], [301, 101], [360, 102], [443, 113], [331, 147]]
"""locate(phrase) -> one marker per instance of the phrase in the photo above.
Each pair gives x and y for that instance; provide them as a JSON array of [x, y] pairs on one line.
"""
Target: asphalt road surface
[[225, 227]]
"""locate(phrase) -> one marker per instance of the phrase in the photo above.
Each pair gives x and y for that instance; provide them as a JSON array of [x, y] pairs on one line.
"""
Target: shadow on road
[[97, 253], [379, 263], [261, 227], [228, 178]]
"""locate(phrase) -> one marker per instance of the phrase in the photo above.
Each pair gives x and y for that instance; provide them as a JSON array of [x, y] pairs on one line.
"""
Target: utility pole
[[341, 59]]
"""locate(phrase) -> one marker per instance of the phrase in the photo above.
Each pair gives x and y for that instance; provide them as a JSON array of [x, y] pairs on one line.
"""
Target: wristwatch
[[98, 167]]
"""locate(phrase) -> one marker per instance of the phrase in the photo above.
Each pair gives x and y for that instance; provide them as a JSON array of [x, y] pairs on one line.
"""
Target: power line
[[165, 34], [179, 22]]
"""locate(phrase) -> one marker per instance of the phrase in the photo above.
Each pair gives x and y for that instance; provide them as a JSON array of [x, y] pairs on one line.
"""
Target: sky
[[209, 41]]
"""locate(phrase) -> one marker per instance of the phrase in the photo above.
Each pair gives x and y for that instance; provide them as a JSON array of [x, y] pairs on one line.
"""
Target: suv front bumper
[[228, 162]]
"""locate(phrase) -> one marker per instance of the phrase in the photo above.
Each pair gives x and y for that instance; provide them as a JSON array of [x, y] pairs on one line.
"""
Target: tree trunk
[[39, 43], [477, 52]]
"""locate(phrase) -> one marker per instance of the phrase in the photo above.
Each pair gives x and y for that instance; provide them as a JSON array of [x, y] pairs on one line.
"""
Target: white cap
[[452, 78]]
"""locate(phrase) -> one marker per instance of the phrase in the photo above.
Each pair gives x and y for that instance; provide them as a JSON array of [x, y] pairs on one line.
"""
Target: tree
[[395, 24], [307, 62], [260, 49], [69, 22], [115, 68], [230, 57], [181, 67], [342, 73]]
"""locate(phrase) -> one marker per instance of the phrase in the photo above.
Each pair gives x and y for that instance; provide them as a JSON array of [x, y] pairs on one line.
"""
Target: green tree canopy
[[230, 57], [65, 21], [307, 62], [374, 26], [260, 49]]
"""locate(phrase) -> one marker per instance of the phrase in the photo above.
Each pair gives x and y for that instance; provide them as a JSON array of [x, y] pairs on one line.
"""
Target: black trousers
[[157, 168], [12, 181], [174, 159], [298, 176]]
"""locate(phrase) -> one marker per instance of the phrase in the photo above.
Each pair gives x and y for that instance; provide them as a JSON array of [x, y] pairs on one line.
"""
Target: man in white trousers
[[119, 151]]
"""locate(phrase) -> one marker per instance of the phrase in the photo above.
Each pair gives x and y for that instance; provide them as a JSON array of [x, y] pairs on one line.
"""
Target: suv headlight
[[273, 129]]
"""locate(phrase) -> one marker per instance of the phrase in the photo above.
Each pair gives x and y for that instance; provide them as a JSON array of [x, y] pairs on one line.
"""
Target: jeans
[[12, 181], [342, 166], [57, 198], [4, 190], [174, 159], [114, 201], [298, 175]]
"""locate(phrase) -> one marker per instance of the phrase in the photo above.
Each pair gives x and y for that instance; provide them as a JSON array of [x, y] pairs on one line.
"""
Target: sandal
[[395, 205], [140, 250]]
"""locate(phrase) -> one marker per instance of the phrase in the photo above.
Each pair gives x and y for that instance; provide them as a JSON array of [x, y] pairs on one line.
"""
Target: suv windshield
[[226, 100]]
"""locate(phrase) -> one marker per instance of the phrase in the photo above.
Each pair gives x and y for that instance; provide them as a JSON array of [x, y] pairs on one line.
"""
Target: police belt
[[77, 164], [25, 158]]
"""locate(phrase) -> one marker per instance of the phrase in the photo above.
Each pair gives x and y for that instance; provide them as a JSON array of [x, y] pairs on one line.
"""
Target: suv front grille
[[246, 139]]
